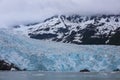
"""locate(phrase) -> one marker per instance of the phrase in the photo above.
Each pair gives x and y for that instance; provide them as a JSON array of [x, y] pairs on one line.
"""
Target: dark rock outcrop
[[115, 39], [7, 66], [116, 70], [84, 70]]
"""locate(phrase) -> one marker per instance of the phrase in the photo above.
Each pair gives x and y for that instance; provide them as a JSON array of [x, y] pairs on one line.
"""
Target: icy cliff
[[32, 54]]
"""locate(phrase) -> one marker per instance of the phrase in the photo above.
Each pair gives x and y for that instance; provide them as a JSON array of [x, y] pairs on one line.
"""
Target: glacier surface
[[41, 55]]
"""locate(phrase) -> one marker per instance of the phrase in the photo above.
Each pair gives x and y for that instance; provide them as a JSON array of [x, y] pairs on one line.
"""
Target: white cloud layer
[[24, 11]]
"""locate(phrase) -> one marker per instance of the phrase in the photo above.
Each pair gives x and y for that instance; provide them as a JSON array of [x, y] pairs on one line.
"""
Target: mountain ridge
[[96, 29]]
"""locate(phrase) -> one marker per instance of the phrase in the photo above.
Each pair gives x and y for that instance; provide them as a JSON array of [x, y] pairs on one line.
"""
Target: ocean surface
[[36, 75]]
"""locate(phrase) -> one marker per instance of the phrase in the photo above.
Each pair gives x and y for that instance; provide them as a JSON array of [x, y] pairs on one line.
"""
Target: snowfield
[[31, 54]]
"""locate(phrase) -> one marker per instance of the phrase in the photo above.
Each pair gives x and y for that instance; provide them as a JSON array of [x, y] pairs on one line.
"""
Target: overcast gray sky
[[24, 11]]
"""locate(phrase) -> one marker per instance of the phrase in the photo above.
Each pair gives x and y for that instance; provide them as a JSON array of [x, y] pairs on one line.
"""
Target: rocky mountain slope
[[97, 29]]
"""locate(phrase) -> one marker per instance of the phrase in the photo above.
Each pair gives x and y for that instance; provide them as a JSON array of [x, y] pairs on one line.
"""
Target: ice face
[[40, 55]]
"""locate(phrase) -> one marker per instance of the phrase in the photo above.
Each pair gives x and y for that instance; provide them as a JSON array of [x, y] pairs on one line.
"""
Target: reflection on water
[[58, 76]]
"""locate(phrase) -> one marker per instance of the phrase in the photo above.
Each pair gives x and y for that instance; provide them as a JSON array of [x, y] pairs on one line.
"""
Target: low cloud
[[14, 12]]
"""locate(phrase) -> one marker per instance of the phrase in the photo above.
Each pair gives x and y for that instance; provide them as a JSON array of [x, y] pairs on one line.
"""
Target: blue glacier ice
[[41, 55]]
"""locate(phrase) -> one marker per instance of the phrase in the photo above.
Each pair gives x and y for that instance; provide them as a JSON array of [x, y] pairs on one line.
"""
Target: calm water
[[58, 76]]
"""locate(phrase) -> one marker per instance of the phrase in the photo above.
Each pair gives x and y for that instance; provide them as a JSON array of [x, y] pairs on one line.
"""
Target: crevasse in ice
[[40, 55]]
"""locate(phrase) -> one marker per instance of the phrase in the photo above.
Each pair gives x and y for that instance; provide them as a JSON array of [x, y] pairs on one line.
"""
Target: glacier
[[31, 54]]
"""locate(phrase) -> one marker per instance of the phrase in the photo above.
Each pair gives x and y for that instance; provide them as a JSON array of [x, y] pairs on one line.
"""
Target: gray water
[[58, 76]]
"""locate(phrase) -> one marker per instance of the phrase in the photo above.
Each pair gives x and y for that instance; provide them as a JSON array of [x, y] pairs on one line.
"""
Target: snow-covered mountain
[[29, 54], [38, 46], [97, 29]]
